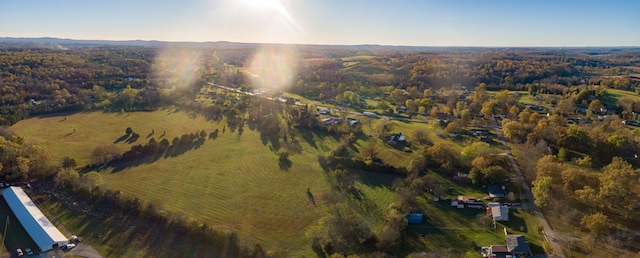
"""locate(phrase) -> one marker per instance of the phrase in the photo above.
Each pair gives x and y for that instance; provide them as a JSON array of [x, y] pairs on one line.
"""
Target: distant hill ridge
[[79, 43]]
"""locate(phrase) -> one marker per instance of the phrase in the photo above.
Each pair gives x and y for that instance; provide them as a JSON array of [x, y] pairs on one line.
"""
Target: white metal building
[[45, 234]]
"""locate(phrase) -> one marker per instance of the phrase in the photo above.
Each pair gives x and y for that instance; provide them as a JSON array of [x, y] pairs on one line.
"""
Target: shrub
[[68, 163]]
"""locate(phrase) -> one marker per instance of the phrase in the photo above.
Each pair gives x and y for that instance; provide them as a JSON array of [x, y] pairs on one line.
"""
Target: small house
[[517, 246], [461, 178], [353, 121], [498, 212], [396, 138]]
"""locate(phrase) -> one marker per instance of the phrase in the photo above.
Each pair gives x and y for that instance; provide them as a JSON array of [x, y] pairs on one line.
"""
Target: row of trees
[[153, 150], [19, 160]]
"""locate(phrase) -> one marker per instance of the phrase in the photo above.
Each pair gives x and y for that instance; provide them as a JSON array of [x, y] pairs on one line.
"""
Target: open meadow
[[235, 182]]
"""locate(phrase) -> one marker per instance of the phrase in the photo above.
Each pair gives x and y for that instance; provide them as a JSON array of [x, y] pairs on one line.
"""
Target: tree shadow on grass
[[198, 143], [308, 137], [119, 166], [311, 198], [147, 154], [213, 135], [284, 164], [376, 179], [125, 231], [516, 223], [275, 142], [122, 138], [450, 238], [132, 139]]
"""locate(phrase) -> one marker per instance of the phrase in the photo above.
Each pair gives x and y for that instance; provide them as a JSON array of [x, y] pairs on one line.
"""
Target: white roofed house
[[498, 212], [43, 233]]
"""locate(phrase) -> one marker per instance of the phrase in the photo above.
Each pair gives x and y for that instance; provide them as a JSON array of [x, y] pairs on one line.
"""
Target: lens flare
[[273, 67], [177, 67], [266, 21]]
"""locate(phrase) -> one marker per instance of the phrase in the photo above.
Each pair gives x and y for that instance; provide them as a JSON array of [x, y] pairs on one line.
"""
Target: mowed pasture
[[233, 182], [613, 95]]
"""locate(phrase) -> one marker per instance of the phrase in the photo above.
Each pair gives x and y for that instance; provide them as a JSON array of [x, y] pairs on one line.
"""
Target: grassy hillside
[[233, 182], [613, 95]]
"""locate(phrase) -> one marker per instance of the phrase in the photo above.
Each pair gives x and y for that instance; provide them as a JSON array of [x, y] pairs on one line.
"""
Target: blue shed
[[414, 218]]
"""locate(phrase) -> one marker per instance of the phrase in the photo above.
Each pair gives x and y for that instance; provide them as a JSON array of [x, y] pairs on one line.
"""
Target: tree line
[[134, 78]]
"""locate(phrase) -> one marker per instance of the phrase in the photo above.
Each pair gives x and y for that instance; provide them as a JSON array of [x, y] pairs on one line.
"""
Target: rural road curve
[[550, 235]]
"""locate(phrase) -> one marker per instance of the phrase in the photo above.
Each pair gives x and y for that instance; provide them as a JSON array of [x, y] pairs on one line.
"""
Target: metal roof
[[43, 233]]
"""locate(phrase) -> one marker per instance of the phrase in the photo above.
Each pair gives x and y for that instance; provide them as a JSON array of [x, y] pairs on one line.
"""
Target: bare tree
[[370, 151]]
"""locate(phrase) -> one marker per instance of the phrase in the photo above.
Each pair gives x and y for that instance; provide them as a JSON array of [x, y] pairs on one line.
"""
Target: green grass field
[[358, 58], [613, 95], [233, 182]]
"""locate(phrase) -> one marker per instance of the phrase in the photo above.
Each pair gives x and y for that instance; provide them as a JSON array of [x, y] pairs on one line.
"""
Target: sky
[[336, 22]]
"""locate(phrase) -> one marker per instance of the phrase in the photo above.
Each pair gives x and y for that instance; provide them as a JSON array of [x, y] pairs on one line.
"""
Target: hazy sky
[[389, 22]]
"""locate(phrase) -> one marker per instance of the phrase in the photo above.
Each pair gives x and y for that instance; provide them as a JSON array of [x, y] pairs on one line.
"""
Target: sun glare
[[264, 20], [262, 4], [178, 66], [273, 67]]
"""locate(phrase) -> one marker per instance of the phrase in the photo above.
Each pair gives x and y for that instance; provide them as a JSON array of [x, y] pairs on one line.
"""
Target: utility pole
[[4, 234]]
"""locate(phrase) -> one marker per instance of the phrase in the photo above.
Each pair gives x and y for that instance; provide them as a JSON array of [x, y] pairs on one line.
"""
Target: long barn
[[45, 234]]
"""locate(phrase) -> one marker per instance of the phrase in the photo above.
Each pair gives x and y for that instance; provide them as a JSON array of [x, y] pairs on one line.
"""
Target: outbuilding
[[43, 233], [414, 218]]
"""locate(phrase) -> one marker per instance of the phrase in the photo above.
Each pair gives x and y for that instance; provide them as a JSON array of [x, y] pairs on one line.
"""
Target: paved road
[[551, 235], [83, 250]]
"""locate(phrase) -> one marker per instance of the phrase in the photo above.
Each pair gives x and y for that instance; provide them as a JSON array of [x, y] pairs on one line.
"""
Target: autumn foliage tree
[[596, 223], [104, 154], [541, 190]]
